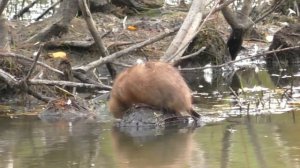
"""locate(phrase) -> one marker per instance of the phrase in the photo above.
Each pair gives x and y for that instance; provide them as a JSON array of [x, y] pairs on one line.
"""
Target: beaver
[[156, 84]]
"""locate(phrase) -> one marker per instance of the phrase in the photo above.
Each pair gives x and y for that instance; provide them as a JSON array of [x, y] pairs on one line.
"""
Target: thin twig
[[193, 54], [67, 83], [237, 97], [34, 62], [122, 64]]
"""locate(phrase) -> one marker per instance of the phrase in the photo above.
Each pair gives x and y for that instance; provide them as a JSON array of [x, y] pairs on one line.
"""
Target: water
[[257, 127], [267, 137], [256, 141]]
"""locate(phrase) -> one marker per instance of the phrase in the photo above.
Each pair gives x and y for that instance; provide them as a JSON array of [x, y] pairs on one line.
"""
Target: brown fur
[[156, 84]]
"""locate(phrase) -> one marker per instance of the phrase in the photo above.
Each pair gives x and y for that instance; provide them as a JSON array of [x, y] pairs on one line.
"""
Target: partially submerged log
[[288, 36], [66, 109], [148, 117]]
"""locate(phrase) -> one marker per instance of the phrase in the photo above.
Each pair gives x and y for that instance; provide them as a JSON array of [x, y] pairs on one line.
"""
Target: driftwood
[[67, 83], [15, 83], [77, 74], [24, 84], [8, 78], [70, 44]]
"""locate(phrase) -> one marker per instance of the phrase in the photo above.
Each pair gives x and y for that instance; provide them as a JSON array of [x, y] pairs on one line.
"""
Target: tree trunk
[[186, 33], [61, 20], [4, 39], [241, 22]]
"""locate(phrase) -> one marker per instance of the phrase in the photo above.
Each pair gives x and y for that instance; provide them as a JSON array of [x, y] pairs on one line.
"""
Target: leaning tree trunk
[[186, 33], [61, 20], [240, 22]]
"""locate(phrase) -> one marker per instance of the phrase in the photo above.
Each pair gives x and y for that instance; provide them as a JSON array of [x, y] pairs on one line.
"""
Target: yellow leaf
[[132, 28], [58, 55]]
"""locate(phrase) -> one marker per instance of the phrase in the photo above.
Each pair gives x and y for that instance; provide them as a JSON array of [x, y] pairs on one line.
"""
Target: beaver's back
[[156, 84]]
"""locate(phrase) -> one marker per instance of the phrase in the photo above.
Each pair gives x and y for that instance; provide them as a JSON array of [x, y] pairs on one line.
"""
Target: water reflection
[[255, 141], [32, 143], [171, 148]]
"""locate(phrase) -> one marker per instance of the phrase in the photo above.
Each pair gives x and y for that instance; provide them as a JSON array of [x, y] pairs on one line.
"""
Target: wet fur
[[156, 84]]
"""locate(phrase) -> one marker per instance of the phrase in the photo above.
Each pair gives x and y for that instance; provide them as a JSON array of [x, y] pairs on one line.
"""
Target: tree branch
[[115, 55], [93, 30], [182, 40], [67, 83], [19, 56], [34, 63]]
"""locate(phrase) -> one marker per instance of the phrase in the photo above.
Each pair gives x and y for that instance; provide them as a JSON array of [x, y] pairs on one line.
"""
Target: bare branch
[[19, 56], [67, 83], [193, 54], [189, 25], [8, 78], [115, 55], [14, 83], [34, 63], [182, 40], [92, 27], [98, 41]]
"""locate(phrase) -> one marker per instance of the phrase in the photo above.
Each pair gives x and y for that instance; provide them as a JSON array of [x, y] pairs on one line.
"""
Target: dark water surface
[[257, 141], [258, 127]]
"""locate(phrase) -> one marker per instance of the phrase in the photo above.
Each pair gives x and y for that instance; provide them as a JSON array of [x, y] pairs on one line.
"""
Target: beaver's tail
[[195, 114]]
